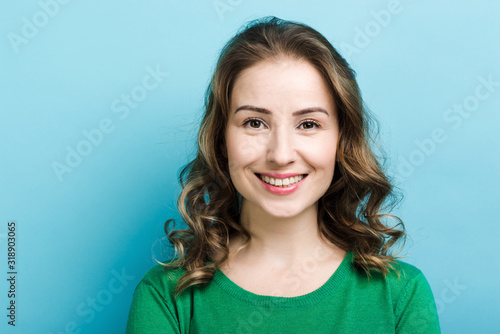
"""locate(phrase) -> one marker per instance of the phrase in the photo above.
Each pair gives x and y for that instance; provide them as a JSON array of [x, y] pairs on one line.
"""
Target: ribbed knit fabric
[[346, 303]]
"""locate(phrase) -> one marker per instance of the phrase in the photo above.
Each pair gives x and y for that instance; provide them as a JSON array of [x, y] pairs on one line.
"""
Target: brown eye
[[254, 123], [309, 125]]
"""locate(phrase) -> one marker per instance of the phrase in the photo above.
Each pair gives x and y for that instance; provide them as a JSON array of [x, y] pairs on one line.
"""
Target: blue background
[[79, 230]]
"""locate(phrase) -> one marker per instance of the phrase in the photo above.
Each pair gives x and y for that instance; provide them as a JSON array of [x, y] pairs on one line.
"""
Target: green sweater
[[346, 303]]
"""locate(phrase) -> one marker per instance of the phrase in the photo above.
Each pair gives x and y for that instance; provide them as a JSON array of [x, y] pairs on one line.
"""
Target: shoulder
[[403, 276], [164, 280], [158, 274], [404, 271], [154, 308], [399, 272], [401, 282], [412, 299], [409, 287], [158, 287]]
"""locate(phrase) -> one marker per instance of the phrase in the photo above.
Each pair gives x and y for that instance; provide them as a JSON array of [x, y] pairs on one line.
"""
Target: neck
[[281, 241]]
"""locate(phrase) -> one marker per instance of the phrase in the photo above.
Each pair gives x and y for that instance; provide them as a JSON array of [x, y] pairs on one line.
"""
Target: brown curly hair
[[350, 213]]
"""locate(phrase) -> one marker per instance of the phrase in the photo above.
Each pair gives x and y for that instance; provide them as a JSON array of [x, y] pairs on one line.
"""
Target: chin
[[289, 211]]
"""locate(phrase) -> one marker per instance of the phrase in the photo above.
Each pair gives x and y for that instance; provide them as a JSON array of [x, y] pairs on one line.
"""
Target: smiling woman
[[281, 142], [285, 205]]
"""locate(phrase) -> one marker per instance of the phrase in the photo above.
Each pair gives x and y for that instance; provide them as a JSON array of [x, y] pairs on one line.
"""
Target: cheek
[[321, 156], [243, 150], [238, 160], [238, 156], [322, 149]]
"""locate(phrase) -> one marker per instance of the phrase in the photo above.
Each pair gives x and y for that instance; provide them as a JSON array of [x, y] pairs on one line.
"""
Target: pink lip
[[280, 176], [278, 190]]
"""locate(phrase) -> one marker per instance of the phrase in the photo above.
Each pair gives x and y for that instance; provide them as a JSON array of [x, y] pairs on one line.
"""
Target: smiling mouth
[[282, 183]]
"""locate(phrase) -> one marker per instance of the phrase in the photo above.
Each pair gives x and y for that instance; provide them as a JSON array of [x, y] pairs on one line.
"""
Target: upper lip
[[280, 176]]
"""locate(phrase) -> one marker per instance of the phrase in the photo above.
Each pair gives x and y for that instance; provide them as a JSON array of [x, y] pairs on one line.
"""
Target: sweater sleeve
[[416, 309], [149, 313]]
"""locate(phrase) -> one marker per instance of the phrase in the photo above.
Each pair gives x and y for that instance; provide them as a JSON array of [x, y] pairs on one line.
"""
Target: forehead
[[280, 83]]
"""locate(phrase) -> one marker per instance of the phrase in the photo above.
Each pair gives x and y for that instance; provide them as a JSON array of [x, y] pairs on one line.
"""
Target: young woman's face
[[282, 123]]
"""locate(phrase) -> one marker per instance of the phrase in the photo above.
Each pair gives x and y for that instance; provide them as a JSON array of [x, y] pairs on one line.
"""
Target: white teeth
[[282, 182]]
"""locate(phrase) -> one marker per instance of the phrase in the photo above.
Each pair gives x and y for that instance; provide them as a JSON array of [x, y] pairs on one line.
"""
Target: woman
[[283, 205]]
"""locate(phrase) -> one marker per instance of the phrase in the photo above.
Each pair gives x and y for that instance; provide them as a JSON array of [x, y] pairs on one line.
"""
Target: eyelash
[[248, 120]]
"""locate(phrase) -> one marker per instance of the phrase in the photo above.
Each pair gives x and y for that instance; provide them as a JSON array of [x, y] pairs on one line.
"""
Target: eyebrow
[[295, 113]]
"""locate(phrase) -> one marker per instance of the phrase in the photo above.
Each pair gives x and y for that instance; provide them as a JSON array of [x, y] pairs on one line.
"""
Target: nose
[[281, 147]]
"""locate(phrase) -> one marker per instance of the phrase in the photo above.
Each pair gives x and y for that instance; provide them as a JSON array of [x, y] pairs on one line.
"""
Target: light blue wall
[[64, 74]]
